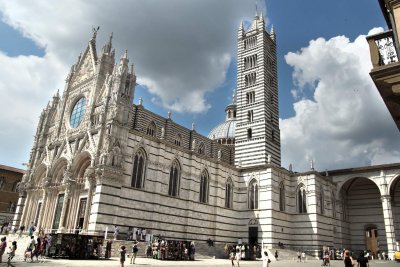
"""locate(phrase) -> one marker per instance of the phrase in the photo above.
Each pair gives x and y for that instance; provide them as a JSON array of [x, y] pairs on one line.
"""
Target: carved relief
[[85, 71]]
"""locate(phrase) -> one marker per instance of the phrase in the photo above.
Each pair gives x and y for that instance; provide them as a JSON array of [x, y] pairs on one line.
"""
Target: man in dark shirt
[[362, 261]]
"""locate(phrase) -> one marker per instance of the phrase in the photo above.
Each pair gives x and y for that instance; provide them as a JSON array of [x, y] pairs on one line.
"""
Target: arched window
[[253, 194], [15, 186], [139, 169], [151, 129], [301, 199], [333, 199], [282, 203], [174, 177], [249, 133], [77, 112], [322, 200], [177, 140], [229, 194], [250, 97], [250, 116], [204, 181], [2, 181], [201, 149]]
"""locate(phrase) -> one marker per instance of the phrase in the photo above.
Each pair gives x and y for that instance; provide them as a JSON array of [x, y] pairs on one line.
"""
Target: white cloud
[[179, 47], [346, 122], [181, 51], [26, 84]]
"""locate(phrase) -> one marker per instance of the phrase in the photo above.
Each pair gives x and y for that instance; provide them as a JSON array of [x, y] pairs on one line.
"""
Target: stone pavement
[[203, 262]]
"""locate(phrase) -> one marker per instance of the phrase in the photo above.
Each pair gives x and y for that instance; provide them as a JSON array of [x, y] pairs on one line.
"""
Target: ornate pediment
[[84, 71]]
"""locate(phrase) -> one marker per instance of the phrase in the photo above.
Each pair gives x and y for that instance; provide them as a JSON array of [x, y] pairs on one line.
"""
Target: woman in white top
[[238, 256], [266, 259]]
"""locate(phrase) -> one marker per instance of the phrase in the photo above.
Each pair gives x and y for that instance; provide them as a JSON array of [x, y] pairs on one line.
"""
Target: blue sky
[[174, 53]]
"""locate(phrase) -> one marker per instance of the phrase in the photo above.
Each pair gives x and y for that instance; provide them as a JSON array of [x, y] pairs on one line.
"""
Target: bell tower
[[257, 137]]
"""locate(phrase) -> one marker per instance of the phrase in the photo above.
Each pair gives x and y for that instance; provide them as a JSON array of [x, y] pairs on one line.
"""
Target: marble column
[[17, 221], [389, 225], [92, 183], [67, 194], [43, 208], [24, 215]]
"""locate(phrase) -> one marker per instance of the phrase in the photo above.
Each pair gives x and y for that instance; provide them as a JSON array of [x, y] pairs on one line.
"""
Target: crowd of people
[[173, 250], [238, 252], [246, 251]]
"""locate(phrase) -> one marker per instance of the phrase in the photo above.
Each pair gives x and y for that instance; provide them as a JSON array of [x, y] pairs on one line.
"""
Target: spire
[[94, 33], [108, 46], [56, 95], [125, 56], [241, 30], [110, 39], [272, 33]]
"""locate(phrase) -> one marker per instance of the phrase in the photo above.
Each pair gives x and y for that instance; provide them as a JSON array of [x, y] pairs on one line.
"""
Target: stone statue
[[219, 154], [162, 132], [193, 144], [269, 159], [94, 30]]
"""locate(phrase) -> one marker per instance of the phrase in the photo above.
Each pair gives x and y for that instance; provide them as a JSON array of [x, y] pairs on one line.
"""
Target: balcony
[[382, 49], [386, 71]]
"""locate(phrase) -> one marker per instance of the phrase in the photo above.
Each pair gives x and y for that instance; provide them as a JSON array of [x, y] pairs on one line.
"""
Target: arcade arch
[[363, 225], [394, 192]]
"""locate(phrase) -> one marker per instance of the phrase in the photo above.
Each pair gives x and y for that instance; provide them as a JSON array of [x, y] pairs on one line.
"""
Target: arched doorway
[[363, 225], [371, 236], [253, 238]]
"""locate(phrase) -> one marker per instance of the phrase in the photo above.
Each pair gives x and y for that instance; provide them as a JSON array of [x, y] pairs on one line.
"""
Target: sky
[[184, 52]]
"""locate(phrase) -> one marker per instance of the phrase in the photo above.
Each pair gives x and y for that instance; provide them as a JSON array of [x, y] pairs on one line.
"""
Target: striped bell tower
[[257, 135]]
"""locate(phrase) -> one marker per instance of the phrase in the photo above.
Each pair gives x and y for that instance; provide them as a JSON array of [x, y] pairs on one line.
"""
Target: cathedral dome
[[225, 130], [224, 133]]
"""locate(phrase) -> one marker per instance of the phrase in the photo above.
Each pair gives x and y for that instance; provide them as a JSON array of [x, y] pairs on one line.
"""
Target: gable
[[84, 70]]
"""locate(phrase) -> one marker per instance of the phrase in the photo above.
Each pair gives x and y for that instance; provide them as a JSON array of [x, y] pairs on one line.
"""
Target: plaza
[[202, 262]]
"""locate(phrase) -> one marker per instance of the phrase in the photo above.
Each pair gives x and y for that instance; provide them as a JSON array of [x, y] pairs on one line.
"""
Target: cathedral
[[100, 161]]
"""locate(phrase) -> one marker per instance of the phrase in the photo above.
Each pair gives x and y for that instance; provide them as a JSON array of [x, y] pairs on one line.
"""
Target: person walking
[[303, 256], [3, 245], [11, 253], [21, 230], [48, 244], [122, 253], [276, 255], [238, 256], [298, 256], [232, 257], [362, 261], [266, 259], [348, 261], [134, 251], [116, 232]]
